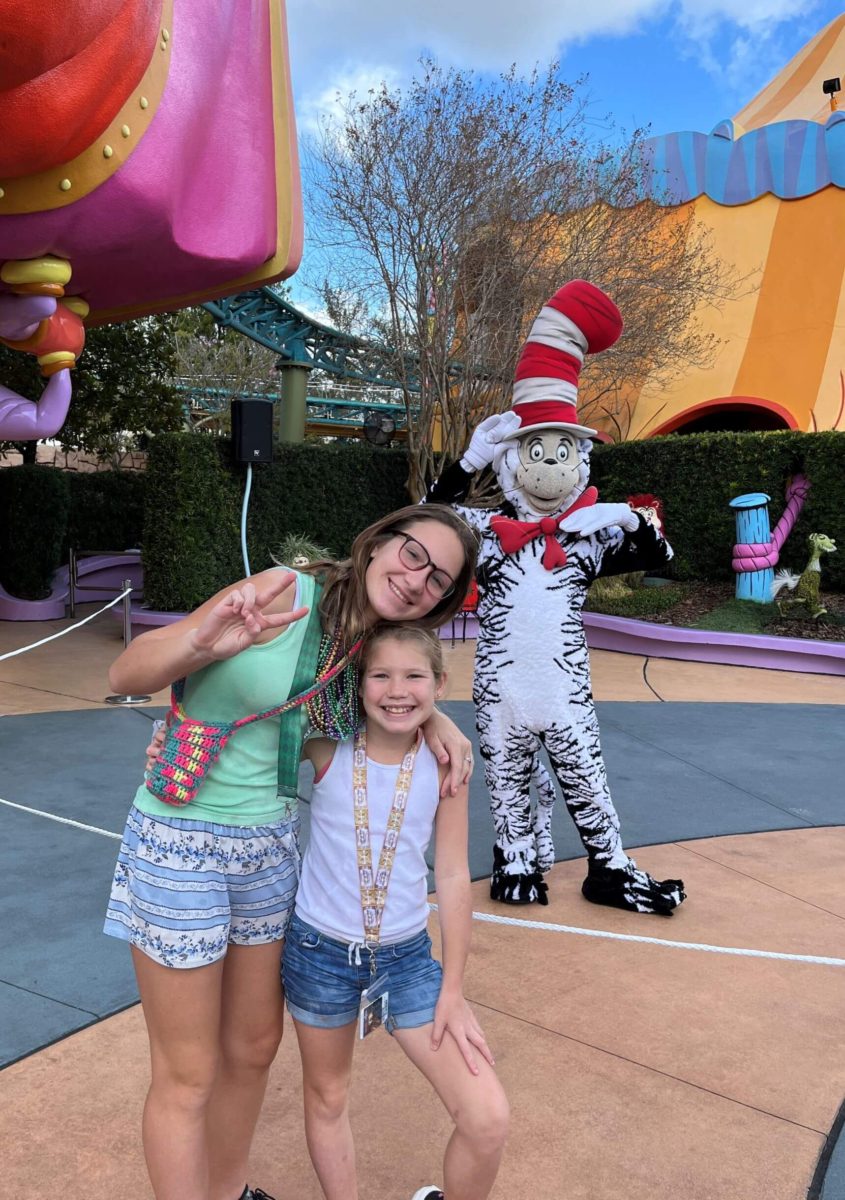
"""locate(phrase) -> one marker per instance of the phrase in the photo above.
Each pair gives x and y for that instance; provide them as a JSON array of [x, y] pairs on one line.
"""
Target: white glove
[[485, 439], [600, 516]]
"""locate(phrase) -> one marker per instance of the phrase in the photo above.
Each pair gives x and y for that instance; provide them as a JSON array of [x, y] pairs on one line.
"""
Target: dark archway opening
[[734, 414], [735, 420]]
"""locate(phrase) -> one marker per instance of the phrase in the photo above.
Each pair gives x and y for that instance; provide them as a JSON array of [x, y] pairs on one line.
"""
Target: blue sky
[[672, 63], [669, 64]]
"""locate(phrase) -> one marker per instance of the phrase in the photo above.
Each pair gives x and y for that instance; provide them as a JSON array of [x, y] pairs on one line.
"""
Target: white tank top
[[329, 897]]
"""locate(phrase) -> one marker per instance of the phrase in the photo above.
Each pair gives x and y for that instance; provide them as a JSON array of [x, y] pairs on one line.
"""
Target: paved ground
[[634, 1067]]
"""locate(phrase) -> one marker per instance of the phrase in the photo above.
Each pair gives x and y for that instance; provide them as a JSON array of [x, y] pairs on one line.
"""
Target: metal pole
[[71, 573], [127, 613], [293, 407], [127, 638]]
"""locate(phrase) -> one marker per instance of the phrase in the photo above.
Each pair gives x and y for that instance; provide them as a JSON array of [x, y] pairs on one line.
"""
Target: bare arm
[[251, 611], [451, 875], [451, 748]]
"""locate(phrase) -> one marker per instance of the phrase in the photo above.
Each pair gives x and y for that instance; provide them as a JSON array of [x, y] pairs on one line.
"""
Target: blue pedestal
[[752, 525]]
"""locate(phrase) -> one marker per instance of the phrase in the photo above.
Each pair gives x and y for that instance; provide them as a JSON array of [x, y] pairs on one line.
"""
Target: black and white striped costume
[[532, 687]]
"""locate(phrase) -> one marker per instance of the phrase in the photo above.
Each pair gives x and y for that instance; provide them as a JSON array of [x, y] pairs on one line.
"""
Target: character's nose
[[549, 462]]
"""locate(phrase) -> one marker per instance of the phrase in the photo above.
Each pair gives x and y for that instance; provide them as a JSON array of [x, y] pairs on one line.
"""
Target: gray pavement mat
[[677, 771]]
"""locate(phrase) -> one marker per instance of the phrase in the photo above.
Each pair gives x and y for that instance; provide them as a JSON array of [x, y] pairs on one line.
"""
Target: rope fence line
[[548, 926], [70, 628], [39, 812], [494, 919]]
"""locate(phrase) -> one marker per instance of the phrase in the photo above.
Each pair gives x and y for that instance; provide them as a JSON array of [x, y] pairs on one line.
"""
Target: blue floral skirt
[[183, 890]]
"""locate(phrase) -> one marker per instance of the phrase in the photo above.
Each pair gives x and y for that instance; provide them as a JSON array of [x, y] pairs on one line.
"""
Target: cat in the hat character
[[539, 554]]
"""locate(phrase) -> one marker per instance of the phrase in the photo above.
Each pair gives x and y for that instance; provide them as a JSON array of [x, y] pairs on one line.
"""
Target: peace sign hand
[[238, 620]]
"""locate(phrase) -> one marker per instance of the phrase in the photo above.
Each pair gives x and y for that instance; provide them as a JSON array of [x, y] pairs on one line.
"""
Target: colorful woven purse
[[191, 747]]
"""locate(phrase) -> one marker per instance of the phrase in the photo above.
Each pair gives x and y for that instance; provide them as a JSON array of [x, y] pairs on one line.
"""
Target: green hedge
[[696, 475], [329, 493], [194, 498], [34, 507], [43, 511], [106, 510], [191, 522]]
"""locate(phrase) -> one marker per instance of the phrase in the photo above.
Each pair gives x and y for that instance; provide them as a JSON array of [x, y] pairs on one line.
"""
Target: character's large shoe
[[515, 880], [630, 888]]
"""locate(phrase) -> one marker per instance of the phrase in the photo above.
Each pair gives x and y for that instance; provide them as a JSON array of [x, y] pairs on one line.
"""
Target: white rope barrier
[[816, 960], [70, 628], [39, 812]]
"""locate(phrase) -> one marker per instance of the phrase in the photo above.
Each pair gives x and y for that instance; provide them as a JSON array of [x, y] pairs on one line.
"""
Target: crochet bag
[[191, 747]]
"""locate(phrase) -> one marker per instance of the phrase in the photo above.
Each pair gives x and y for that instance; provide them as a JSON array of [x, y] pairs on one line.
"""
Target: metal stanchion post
[[127, 638], [71, 571]]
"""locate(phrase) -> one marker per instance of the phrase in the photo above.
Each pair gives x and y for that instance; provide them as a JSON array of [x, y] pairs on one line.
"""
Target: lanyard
[[374, 888]]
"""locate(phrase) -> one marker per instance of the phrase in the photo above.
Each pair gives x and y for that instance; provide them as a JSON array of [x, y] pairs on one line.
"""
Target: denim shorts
[[183, 890], [324, 978]]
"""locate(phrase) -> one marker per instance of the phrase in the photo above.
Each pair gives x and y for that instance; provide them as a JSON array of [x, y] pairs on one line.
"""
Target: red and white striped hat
[[579, 319]]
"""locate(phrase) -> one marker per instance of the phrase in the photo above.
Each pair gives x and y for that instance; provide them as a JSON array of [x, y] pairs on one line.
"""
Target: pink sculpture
[[150, 148]]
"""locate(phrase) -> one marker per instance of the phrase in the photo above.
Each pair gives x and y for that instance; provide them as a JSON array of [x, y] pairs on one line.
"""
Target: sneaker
[[428, 1193]]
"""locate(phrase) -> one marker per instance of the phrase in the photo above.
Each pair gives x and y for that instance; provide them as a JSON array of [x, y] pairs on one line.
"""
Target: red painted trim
[[724, 404]]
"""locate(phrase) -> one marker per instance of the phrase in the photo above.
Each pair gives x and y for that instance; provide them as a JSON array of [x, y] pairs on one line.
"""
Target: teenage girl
[[204, 893], [360, 925]]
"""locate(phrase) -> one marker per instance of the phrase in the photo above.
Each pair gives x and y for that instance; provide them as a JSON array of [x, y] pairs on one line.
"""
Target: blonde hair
[[344, 600], [424, 640]]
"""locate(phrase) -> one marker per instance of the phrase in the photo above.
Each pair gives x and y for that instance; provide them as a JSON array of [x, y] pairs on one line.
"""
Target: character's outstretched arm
[[644, 549], [23, 420], [21, 318]]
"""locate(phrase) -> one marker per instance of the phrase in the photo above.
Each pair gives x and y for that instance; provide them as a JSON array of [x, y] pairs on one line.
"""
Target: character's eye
[[563, 452], [535, 451]]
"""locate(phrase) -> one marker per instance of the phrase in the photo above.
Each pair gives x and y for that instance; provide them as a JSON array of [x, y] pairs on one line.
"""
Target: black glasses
[[414, 556]]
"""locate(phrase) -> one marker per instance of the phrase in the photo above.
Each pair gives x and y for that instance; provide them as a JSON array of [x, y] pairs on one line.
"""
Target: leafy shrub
[[106, 510], [34, 505], [191, 524], [696, 475], [326, 494]]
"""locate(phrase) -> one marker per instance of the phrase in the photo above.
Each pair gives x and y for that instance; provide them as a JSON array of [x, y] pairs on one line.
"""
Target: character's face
[[821, 543], [548, 468], [650, 514]]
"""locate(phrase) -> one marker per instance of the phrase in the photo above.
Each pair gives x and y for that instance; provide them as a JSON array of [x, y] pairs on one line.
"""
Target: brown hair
[[344, 599], [424, 640]]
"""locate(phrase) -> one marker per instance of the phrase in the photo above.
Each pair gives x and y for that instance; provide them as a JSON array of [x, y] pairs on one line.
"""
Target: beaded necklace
[[334, 710]]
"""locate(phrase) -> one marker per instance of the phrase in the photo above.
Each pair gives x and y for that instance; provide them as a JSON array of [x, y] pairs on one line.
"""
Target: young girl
[[359, 926]]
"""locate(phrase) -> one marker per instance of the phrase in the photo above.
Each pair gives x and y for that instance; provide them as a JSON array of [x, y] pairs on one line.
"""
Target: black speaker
[[252, 431]]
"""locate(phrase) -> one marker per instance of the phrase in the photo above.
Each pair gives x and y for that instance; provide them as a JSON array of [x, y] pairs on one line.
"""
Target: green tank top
[[241, 787]]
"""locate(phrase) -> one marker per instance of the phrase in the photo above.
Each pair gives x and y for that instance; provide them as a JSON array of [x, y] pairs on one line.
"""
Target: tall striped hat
[[579, 319]]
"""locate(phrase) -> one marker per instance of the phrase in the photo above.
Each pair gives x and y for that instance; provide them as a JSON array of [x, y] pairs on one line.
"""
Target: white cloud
[[323, 103], [338, 45], [333, 38], [732, 39]]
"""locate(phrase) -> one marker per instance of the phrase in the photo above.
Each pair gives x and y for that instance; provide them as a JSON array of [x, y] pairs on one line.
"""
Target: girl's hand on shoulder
[[238, 620], [454, 1016], [449, 745]]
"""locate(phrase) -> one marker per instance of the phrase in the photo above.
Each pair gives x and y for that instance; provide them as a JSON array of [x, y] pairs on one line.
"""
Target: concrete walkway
[[634, 1067]]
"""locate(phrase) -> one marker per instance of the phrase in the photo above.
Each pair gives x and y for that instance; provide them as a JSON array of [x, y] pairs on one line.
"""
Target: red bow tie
[[513, 535]]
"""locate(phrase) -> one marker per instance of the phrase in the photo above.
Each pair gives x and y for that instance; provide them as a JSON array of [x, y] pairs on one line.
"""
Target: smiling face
[[548, 468], [395, 592], [398, 686]]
